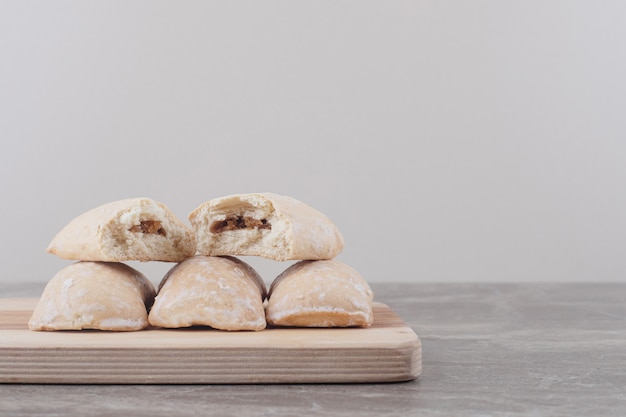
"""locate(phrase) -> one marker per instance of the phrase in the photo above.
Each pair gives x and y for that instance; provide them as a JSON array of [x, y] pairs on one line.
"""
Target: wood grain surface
[[387, 351]]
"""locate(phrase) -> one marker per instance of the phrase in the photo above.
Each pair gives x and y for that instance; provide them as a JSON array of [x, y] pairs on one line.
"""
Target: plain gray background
[[448, 140]]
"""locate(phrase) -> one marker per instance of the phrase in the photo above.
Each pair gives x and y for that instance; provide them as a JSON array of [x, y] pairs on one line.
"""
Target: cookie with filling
[[268, 225], [136, 229]]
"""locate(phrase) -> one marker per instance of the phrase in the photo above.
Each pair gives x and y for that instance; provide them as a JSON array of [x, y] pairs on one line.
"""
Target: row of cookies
[[209, 285]]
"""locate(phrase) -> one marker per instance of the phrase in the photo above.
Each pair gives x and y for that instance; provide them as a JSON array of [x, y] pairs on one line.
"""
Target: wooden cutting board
[[387, 351]]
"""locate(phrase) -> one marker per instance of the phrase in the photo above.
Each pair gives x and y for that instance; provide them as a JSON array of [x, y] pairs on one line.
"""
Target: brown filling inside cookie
[[150, 227], [239, 222]]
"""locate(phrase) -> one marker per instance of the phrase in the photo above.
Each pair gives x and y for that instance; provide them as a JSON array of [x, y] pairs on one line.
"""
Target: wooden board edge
[[396, 363]]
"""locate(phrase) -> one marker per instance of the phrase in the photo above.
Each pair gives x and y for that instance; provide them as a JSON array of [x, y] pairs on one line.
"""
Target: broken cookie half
[[264, 224], [94, 295], [136, 229]]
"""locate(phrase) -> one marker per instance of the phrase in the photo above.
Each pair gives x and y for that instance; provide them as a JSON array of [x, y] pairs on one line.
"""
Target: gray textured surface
[[489, 350]]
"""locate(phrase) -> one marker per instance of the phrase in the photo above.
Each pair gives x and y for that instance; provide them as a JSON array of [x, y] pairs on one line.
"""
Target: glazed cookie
[[221, 292], [94, 295], [320, 294]]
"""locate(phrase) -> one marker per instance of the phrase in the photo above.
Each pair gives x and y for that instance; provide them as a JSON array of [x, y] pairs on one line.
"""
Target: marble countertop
[[488, 350]]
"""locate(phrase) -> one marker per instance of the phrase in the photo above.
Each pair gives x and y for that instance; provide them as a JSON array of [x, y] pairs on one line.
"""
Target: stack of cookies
[[209, 285], [100, 291]]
